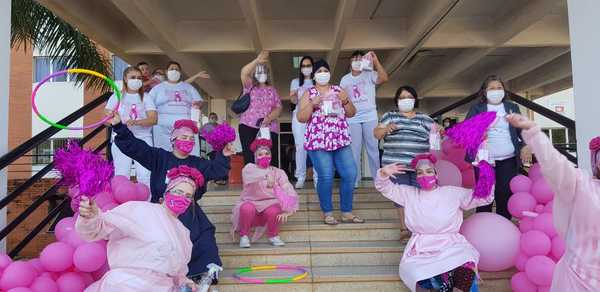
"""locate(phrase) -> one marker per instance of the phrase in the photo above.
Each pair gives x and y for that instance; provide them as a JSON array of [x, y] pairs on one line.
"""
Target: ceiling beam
[[427, 18], [506, 28], [557, 69], [345, 10], [152, 19]]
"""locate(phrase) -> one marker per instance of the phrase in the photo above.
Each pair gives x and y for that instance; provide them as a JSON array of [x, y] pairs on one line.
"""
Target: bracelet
[[346, 103]]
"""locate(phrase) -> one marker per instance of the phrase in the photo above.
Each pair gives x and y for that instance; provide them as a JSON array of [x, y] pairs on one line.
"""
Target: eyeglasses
[[182, 193]]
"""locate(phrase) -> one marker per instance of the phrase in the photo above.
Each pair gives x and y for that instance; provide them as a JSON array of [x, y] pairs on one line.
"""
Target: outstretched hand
[[392, 169], [229, 150], [520, 121], [283, 217]]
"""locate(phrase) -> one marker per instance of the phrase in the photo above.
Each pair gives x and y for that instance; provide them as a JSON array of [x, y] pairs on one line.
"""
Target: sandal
[[330, 220], [354, 219]]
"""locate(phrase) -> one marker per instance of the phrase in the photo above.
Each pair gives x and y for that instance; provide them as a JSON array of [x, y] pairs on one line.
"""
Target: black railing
[[52, 193]]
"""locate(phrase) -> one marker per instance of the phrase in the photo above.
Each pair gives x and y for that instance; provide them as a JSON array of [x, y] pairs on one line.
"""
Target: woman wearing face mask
[[139, 114], [504, 142], [325, 108], [174, 101], [436, 256], [405, 134], [264, 109], [158, 161], [148, 248], [267, 199], [297, 89], [360, 85], [576, 207]]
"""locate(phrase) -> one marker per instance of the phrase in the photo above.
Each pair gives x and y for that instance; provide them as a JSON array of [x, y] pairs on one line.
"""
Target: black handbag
[[242, 103]]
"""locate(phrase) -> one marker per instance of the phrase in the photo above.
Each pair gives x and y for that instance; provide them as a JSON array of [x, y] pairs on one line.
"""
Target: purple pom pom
[[83, 169], [486, 180], [470, 133], [220, 136]]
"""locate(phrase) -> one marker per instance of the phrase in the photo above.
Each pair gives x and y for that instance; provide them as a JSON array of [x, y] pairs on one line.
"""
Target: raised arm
[[133, 147], [92, 224], [397, 193], [468, 201], [382, 75], [217, 168], [248, 69]]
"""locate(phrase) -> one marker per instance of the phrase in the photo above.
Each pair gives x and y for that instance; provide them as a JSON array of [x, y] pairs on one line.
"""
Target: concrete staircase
[[346, 257]]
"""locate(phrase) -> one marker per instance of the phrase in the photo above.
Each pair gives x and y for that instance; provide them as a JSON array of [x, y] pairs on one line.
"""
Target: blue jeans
[[409, 178], [326, 162]]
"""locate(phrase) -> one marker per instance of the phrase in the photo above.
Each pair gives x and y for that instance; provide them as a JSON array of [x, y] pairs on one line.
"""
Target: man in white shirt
[[366, 73]]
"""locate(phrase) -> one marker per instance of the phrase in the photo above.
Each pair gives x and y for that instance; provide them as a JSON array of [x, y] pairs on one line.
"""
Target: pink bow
[[133, 114]]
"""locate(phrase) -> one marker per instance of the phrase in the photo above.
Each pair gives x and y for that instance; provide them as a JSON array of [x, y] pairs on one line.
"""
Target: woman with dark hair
[[174, 100], [264, 109], [405, 134], [297, 88], [504, 142], [325, 108]]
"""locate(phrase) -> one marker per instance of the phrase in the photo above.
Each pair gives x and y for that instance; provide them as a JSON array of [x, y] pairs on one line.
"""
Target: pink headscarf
[[425, 158], [595, 153], [184, 173], [184, 127]]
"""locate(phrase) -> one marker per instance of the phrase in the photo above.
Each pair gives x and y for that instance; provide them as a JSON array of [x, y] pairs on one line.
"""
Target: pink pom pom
[[487, 179], [220, 136], [470, 133]]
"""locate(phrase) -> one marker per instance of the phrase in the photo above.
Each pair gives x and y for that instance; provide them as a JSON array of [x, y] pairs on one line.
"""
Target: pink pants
[[249, 218]]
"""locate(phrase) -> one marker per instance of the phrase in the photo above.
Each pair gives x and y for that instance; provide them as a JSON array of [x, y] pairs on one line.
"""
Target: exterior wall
[[554, 102]]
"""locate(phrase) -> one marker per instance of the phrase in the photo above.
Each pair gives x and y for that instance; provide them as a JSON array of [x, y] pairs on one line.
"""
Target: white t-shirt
[[361, 91], [295, 86], [132, 107], [173, 101], [499, 143]]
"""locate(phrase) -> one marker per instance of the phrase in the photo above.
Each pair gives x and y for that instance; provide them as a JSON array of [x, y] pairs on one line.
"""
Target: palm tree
[[36, 26]]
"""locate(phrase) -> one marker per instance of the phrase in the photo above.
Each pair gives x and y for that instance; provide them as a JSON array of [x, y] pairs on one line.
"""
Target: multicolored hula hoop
[[110, 82], [303, 273]]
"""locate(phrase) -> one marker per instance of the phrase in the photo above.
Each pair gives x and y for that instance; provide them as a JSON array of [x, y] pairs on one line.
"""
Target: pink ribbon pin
[[177, 96], [355, 91], [133, 114]]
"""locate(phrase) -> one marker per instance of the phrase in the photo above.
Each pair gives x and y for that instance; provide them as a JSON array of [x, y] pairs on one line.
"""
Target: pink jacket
[[576, 214]]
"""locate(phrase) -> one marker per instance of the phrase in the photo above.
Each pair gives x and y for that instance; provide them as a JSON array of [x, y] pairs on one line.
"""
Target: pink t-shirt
[[324, 132], [263, 100]]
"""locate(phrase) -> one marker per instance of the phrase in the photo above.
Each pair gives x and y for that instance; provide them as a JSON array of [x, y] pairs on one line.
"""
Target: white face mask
[[406, 105], [356, 65], [159, 77], [261, 77], [134, 84], [173, 75], [306, 71], [495, 96], [322, 78]]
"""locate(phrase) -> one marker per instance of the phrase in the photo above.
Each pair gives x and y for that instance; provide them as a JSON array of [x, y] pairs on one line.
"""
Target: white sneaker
[[245, 242], [276, 241], [300, 184]]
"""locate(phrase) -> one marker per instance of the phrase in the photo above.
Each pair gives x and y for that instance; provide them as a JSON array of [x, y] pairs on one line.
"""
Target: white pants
[[363, 132], [162, 139], [123, 162], [299, 129]]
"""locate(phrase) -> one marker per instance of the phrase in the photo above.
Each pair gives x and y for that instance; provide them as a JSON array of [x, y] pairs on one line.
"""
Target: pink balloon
[[125, 193], [20, 289], [51, 275], [525, 224], [520, 283], [17, 274], [558, 247], [104, 198], [37, 265], [495, 237], [74, 240], [142, 192], [542, 191], [539, 209], [520, 202], [44, 284], [448, 174], [543, 222], [539, 270], [87, 279], [5, 260], [521, 261], [535, 243], [535, 172], [89, 257], [520, 184], [543, 289], [468, 178], [109, 207], [548, 207], [63, 227], [71, 282], [118, 180], [57, 257]]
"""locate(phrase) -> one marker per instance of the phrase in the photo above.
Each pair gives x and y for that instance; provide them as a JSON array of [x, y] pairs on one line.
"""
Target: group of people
[[330, 124]]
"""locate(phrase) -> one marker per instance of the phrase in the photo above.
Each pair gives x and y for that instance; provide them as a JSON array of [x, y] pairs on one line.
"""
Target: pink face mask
[[264, 161], [177, 204], [184, 146], [427, 182]]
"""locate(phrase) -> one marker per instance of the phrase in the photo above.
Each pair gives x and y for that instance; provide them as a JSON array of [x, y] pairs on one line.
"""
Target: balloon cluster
[[541, 247], [70, 264], [452, 168]]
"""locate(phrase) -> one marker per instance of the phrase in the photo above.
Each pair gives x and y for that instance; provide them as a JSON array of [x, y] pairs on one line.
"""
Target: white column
[[584, 20], [4, 83]]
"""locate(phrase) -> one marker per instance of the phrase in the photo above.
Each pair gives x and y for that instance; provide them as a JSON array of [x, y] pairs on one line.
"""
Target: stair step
[[316, 215], [367, 253], [230, 198], [353, 278]]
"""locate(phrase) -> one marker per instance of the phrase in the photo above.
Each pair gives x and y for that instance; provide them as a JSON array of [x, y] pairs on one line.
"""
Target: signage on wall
[[559, 109]]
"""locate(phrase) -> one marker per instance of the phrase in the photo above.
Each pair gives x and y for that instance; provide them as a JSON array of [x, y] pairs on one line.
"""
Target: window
[[118, 67], [44, 153], [45, 66], [559, 136]]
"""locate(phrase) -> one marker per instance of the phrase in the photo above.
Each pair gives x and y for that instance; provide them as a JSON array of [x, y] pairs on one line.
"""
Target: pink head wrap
[[425, 158], [184, 127], [595, 151], [261, 143], [184, 173]]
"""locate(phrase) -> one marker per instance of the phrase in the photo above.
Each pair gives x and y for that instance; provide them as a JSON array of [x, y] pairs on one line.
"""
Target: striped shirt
[[411, 138]]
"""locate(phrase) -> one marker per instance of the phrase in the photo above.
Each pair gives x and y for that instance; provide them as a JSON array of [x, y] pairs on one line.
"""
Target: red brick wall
[[16, 207]]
